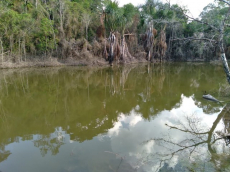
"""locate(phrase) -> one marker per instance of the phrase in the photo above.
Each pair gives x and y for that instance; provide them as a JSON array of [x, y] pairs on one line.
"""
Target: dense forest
[[78, 29]]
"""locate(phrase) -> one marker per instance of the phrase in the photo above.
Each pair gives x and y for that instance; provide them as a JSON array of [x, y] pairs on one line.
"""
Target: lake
[[149, 117]]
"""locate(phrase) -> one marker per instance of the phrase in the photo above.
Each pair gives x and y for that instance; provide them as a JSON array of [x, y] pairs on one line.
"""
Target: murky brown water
[[113, 119]]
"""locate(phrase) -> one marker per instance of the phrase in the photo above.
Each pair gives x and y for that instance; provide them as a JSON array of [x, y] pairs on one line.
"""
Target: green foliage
[[161, 14], [41, 27], [119, 18], [112, 15], [227, 36], [191, 28], [129, 11], [44, 37], [214, 14], [38, 25]]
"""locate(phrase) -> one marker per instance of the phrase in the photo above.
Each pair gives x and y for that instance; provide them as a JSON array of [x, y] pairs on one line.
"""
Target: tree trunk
[[112, 40], [24, 47], [223, 57], [11, 44], [2, 51], [86, 32], [221, 45], [123, 47], [226, 68], [19, 49], [25, 6], [86, 20]]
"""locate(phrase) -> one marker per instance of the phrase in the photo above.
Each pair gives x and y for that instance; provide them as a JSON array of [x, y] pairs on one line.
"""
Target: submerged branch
[[186, 131]]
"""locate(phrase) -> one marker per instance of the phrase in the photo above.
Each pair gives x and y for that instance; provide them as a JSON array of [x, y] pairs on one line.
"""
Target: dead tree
[[122, 46], [125, 54], [114, 49], [149, 41], [131, 41], [112, 42], [162, 45]]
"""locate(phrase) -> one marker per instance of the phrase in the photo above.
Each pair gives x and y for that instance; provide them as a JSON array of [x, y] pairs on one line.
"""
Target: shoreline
[[96, 61], [55, 62]]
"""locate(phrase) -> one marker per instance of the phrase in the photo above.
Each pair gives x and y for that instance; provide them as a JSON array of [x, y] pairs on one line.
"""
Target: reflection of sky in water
[[129, 132], [125, 139]]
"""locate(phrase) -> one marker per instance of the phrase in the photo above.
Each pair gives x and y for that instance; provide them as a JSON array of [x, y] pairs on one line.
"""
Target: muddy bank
[[55, 62], [93, 61]]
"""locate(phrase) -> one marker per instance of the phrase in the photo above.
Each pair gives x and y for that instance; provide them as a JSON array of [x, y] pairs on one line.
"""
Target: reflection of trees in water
[[208, 107], [50, 142], [87, 102], [197, 139], [116, 80], [3, 153], [154, 80]]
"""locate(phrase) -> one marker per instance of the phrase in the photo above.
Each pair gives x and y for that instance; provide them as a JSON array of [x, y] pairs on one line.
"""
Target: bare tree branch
[[187, 131], [165, 21], [202, 22]]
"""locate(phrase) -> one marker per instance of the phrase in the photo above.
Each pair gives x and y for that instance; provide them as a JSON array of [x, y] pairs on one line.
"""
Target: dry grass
[[74, 53]]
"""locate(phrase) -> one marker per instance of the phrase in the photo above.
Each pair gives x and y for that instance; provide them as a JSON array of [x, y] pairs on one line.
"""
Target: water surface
[[128, 118]]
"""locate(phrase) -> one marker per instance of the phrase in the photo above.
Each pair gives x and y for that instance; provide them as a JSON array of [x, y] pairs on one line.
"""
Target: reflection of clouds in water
[[125, 122], [135, 121], [115, 129], [137, 108], [59, 134], [189, 108], [129, 142]]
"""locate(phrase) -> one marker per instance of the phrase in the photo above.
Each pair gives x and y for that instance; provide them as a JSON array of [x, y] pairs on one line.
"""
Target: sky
[[195, 6]]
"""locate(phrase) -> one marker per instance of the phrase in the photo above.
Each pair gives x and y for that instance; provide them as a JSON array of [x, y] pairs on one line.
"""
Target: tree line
[[30, 28]]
